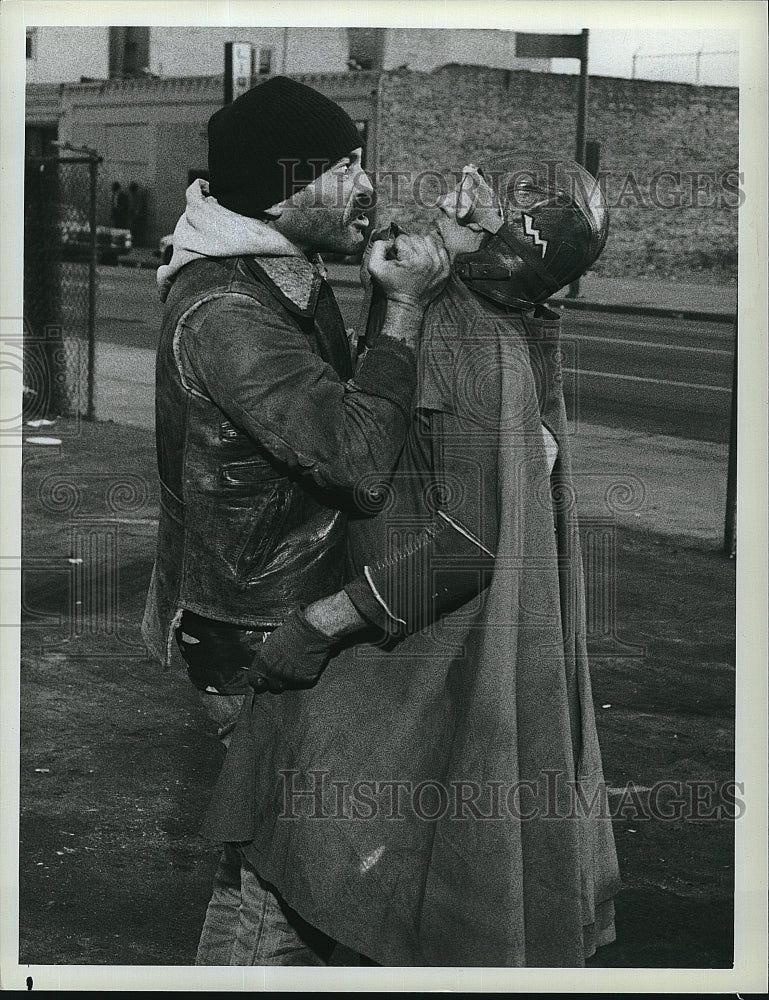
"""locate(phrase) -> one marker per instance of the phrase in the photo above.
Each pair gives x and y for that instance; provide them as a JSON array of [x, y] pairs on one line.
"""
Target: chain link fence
[[61, 251]]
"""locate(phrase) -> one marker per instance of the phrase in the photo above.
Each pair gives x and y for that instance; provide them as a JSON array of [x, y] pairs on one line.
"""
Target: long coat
[[440, 801]]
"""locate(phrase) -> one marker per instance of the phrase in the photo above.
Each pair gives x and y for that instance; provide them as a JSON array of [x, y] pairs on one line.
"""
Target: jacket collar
[[295, 281]]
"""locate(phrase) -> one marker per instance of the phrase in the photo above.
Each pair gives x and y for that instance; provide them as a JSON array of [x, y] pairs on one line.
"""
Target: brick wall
[[467, 114], [153, 131]]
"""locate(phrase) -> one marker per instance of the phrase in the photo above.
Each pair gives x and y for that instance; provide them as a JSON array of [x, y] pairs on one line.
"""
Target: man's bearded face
[[329, 214]]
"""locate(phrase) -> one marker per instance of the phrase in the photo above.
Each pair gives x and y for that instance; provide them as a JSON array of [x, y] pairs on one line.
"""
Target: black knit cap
[[252, 142]]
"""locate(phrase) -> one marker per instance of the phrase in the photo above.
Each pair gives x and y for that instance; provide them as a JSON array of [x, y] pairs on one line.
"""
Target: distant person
[[137, 213], [120, 207]]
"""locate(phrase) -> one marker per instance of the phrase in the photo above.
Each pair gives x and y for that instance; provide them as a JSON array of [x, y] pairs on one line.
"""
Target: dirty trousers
[[248, 924]]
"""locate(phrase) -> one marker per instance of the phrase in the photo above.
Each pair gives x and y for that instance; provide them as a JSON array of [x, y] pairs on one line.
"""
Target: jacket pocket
[[249, 473], [263, 536]]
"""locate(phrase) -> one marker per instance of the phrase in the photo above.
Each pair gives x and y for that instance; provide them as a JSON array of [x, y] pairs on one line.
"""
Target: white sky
[[610, 53], [618, 28]]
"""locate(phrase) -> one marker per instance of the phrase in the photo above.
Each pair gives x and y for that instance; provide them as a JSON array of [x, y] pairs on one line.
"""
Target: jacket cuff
[[388, 370], [366, 604]]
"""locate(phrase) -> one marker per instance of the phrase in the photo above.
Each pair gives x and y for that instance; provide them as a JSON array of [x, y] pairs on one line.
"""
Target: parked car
[[75, 237]]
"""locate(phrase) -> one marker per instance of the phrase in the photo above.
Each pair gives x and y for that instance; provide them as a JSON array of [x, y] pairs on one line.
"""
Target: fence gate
[[60, 258]]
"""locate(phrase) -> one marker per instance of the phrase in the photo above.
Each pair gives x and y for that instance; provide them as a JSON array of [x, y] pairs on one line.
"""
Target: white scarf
[[208, 229]]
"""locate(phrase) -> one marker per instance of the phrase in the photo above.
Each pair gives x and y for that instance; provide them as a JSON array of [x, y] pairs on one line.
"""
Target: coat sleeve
[[448, 562], [259, 369]]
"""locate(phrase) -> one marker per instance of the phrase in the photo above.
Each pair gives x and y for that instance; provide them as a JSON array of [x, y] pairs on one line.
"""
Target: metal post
[[697, 70], [730, 521], [593, 158], [582, 100], [582, 95], [93, 167], [635, 57]]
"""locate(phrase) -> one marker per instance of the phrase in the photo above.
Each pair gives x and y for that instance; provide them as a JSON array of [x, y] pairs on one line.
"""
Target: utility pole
[[582, 97]]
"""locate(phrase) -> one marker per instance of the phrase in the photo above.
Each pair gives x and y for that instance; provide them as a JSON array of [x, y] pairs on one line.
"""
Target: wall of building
[[643, 127], [200, 51], [64, 54], [428, 48]]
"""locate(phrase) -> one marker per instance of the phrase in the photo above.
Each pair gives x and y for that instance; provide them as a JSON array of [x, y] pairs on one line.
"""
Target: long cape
[[441, 802]]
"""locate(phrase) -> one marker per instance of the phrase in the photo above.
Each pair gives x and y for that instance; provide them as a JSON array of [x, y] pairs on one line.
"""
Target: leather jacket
[[263, 434]]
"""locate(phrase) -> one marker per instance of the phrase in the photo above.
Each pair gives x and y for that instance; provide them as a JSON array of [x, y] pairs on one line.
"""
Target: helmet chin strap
[[485, 274]]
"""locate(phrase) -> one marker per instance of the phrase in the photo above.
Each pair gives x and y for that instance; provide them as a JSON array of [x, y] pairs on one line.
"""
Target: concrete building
[[58, 54], [153, 131], [141, 96], [428, 48]]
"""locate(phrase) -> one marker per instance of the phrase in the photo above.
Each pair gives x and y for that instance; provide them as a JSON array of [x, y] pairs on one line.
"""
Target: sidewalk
[[648, 294], [641, 295]]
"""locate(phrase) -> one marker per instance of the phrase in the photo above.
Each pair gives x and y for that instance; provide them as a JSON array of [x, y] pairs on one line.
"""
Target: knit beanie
[[272, 141]]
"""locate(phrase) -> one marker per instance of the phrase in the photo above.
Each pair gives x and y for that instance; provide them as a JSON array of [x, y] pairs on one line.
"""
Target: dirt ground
[[117, 759]]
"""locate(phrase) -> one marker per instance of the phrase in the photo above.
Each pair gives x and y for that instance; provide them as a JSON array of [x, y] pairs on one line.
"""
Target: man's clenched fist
[[412, 269]]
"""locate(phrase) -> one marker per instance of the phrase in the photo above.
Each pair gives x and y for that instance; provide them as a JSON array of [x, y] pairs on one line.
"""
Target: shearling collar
[[295, 281]]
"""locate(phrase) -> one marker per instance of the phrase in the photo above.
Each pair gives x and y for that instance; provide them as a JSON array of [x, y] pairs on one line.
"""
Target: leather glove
[[293, 656]]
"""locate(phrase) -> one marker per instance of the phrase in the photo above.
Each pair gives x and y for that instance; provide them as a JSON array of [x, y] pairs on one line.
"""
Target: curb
[[662, 312]]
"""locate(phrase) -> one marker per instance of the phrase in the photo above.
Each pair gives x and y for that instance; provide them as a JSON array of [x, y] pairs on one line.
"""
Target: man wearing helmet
[[417, 773]]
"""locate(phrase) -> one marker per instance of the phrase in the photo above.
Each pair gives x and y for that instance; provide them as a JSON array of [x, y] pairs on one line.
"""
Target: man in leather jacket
[[263, 427]]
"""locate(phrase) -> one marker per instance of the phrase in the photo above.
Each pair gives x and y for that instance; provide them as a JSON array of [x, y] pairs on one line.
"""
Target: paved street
[[640, 373]]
